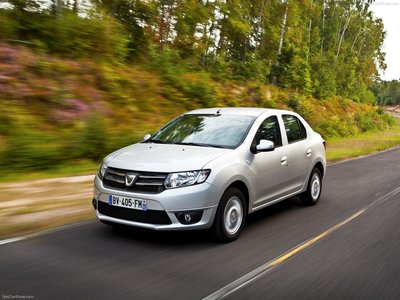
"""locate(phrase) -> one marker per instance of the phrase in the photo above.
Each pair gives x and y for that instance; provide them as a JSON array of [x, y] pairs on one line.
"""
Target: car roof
[[246, 111]]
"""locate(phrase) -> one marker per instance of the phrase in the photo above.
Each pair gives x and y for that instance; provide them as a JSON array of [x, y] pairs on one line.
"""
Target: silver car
[[210, 168]]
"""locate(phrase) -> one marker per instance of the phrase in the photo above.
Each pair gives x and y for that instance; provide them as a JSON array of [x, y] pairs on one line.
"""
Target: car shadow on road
[[160, 237], [273, 211]]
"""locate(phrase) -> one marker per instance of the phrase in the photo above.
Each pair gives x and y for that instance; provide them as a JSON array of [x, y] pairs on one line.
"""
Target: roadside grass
[[362, 144], [28, 206], [74, 169], [32, 206], [11, 230]]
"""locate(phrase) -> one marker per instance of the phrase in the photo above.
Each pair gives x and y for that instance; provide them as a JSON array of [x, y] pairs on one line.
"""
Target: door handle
[[284, 160], [309, 152]]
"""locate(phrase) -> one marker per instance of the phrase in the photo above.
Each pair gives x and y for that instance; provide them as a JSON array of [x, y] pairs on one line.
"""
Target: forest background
[[79, 79]]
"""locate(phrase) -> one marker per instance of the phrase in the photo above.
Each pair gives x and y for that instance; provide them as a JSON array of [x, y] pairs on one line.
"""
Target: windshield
[[224, 131]]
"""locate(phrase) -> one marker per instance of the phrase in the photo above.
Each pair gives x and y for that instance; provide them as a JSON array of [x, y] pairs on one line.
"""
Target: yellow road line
[[258, 272], [253, 275], [308, 243]]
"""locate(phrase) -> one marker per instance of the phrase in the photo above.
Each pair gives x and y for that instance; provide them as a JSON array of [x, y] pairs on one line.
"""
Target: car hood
[[163, 157]]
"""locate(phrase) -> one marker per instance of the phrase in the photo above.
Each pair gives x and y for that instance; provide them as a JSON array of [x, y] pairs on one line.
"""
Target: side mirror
[[265, 146], [146, 137]]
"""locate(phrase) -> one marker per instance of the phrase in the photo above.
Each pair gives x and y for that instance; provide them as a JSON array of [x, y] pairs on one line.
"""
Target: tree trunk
[[283, 29], [323, 27], [75, 7], [57, 7], [342, 35], [309, 31]]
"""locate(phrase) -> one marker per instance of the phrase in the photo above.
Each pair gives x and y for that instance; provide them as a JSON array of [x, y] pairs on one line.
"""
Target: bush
[[92, 142], [335, 126], [372, 121], [28, 149], [191, 87], [324, 76], [7, 26], [68, 35], [251, 69], [294, 102], [79, 37]]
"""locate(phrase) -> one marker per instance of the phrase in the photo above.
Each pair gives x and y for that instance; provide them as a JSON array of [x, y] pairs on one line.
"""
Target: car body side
[[237, 167]]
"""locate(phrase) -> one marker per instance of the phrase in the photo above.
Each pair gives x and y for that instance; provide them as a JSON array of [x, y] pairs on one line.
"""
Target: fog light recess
[[94, 203], [189, 217]]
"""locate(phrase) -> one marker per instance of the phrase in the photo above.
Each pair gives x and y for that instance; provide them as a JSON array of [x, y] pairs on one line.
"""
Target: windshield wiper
[[201, 145], [155, 141]]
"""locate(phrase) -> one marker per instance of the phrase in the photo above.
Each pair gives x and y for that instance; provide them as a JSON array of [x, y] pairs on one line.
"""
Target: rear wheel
[[314, 189], [230, 217]]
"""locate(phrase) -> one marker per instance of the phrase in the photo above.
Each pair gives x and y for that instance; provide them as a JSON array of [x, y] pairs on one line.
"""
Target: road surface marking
[[265, 268], [36, 234]]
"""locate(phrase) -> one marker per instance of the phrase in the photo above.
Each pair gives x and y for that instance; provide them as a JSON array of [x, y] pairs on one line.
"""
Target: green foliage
[[363, 121], [299, 76], [324, 48], [294, 102], [194, 87], [337, 126], [372, 121], [7, 25], [387, 92], [77, 37], [102, 107], [364, 95], [29, 149], [250, 68], [68, 35], [324, 77], [91, 143]]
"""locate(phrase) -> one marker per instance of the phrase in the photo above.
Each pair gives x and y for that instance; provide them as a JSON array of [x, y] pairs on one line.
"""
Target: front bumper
[[200, 201]]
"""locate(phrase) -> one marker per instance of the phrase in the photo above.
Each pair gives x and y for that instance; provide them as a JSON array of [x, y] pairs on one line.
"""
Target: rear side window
[[295, 130]]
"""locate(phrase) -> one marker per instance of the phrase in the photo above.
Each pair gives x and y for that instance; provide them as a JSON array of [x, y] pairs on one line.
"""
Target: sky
[[389, 12]]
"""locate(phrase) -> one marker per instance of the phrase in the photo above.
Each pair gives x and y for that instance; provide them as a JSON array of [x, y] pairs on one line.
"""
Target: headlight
[[175, 180], [102, 170]]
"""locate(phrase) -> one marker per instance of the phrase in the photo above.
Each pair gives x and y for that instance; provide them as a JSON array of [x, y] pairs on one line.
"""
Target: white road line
[[12, 240], [32, 235], [265, 268]]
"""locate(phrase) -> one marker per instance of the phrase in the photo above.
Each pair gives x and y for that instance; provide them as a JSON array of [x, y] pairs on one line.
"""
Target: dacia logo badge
[[130, 179]]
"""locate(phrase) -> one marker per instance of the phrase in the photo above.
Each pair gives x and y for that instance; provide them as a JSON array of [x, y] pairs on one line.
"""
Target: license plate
[[127, 202]]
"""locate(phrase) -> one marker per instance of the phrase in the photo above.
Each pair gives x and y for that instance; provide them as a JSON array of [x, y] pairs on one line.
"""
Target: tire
[[230, 216], [314, 188]]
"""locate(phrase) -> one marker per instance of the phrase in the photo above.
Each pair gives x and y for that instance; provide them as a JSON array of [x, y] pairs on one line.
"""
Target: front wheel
[[230, 216], [314, 189]]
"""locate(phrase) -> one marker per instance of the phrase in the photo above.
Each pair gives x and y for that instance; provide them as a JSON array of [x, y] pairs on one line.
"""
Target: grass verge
[[75, 169], [31, 206], [362, 144]]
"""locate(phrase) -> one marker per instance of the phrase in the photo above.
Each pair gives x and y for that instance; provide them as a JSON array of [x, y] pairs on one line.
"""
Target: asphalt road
[[357, 259]]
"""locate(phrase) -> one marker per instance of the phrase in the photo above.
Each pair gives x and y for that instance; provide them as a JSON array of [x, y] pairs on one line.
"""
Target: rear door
[[298, 152]]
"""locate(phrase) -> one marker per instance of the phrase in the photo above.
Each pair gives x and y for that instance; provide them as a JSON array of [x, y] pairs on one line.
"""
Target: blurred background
[[81, 78]]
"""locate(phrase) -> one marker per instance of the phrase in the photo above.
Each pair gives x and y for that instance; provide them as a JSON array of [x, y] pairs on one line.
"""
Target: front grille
[[146, 182], [159, 217]]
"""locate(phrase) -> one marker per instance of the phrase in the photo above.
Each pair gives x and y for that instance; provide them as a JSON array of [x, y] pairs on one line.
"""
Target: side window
[[269, 130], [295, 130]]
